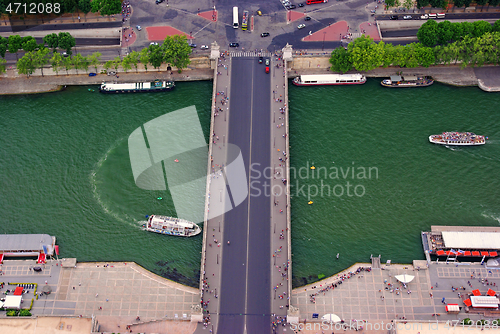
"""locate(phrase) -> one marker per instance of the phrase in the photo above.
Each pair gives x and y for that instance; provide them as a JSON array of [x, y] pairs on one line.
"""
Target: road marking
[[249, 199]]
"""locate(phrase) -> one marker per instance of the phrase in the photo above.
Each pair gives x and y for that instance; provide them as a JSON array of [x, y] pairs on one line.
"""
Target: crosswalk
[[249, 54]]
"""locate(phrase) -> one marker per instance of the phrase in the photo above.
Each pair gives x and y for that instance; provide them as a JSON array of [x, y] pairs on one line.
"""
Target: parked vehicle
[[407, 17], [264, 34], [92, 74], [301, 26]]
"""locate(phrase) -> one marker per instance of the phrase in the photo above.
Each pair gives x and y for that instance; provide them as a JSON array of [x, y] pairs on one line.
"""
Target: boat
[[172, 226], [329, 79], [407, 81], [458, 138], [137, 87]]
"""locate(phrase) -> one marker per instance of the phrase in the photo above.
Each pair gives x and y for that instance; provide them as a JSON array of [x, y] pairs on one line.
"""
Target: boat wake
[[497, 218]]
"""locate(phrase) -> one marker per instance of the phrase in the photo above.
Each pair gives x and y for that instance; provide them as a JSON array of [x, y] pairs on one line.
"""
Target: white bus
[[236, 23]]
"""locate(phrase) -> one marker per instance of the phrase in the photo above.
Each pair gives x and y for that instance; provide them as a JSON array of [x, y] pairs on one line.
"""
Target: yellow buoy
[[310, 202], [312, 167]]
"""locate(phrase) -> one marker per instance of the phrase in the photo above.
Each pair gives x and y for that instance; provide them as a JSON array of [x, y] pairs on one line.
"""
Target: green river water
[[66, 172]]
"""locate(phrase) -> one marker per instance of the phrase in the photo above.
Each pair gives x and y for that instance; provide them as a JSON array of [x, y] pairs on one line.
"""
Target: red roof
[[493, 254], [450, 253], [476, 292], [475, 253], [467, 253], [18, 291], [491, 293], [440, 252], [485, 253], [41, 258], [468, 302]]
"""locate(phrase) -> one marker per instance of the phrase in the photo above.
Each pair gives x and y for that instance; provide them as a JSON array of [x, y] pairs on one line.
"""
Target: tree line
[[440, 3], [363, 54], [104, 7], [432, 33], [174, 51]]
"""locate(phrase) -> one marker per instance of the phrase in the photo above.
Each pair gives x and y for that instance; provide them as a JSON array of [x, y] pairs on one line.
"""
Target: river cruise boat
[[137, 87], [329, 79], [172, 226], [407, 81], [458, 139]]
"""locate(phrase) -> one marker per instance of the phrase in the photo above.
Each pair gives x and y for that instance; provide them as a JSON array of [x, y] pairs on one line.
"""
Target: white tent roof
[[471, 240], [13, 302], [405, 278], [331, 317]]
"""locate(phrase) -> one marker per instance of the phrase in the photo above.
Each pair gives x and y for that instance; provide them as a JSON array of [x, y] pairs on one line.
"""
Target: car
[[267, 61], [407, 17], [37, 269], [138, 28], [204, 47], [111, 73], [159, 1], [394, 17], [267, 69], [234, 44], [307, 18], [292, 6], [424, 17], [260, 60], [64, 54], [264, 34], [301, 26], [92, 74], [259, 13], [301, 5], [192, 45], [153, 43]]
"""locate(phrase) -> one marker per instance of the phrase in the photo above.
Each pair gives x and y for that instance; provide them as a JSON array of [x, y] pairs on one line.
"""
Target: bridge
[[245, 281]]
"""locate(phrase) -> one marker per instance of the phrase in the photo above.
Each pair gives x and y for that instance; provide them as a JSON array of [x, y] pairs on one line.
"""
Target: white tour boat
[[329, 79], [458, 139], [172, 226]]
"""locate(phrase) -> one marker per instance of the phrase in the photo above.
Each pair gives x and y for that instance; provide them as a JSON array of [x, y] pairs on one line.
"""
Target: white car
[[138, 28], [204, 47], [424, 17], [153, 43], [300, 26], [407, 17]]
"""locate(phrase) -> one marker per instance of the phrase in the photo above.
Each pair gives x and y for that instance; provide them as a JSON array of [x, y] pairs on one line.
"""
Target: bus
[[244, 20], [310, 2], [236, 23]]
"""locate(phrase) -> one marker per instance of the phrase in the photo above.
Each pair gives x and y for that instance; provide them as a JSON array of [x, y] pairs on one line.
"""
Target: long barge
[[137, 87], [329, 79], [399, 81]]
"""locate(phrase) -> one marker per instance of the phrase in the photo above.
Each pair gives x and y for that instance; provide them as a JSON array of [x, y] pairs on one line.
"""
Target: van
[[440, 15], [432, 16]]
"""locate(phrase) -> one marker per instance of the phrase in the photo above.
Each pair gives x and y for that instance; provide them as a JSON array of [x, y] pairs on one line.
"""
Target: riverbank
[[11, 83]]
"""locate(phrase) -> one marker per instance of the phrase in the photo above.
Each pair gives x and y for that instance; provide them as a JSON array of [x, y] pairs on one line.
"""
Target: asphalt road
[[65, 26], [449, 16], [245, 295]]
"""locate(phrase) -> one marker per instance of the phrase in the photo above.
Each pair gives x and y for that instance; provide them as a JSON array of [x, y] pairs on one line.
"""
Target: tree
[[15, 42], [66, 42], [425, 55], [444, 32], [144, 57], [56, 61], [365, 55], [427, 33], [458, 31], [107, 65], [4, 45], [116, 63], [106, 7], [408, 4], [67, 63], [480, 28], [77, 62], [85, 7], [126, 65], [2, 66], [133, 58], [86, 63], [467, 29], [390, 3], [422, 3], [458, 3], [52, 41], [340, 60], [176, 51], [94, 60], [466, 4], [29, 44], [156, 55], [40, 58], [389, 55], [493, 3], [68, 6], [481, 3], [25, 64], [496, 26]]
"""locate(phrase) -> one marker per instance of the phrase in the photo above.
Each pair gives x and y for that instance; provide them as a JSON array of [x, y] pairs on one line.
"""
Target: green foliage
[[106, 7], [40, 58], [466, 321], [26, 65], [52, 41], [107, 65], [29, 44], [57, 62], [156, 55], [15, 42], [444, 32], [133, 58], [427, 33], [422, 3], [176, 51], [84, 6], [24, 313], [4, 45], [365, 54], [68, 6], [496, 26], [66, 42], [390, 3], [340, 60], [408, 4], [480, 28], [144, 58], [2, 66], [95, 59], [67, 63], [116, 63], [12, 313]]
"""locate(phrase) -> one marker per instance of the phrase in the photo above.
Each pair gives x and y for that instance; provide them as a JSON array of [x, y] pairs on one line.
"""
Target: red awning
[[440, 252], [493, 254], [449, 253], [41, 258], [491, 293], [18, 291], [1, 258], [57, 249], [467, 302], [475, 253], [467, 253], [485, 253], [476, 292]]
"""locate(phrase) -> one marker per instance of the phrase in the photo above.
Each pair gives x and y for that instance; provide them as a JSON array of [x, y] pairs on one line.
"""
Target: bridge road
[[245, 293]]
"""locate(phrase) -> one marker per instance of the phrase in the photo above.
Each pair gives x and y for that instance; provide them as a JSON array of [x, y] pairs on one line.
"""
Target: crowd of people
[[339, 281], [125, 10]]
